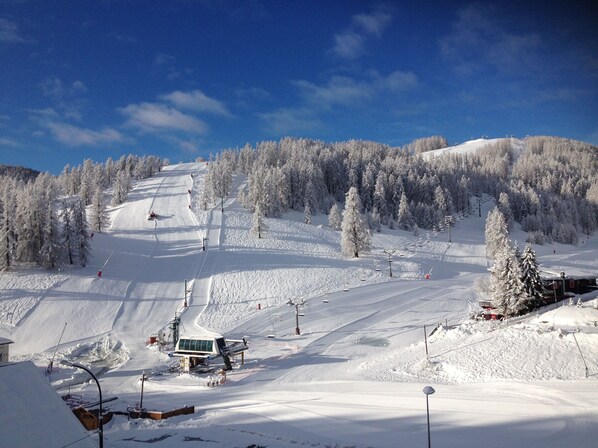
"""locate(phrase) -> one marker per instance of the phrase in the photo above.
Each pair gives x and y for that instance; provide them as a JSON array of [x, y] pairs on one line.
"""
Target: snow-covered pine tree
[[120, 187], [355, 236], [80, 230], [462, 203], [204, 197], [5, 257], [27, 223], [221, 178], [98, 213], [109, 170], [496, 233], [530, 276], [367, 187], [258, 226], [307, 213], [375, 221], [440, 205], [272, 198], [505, 282], [50, 249], [505, 208], [335, 217], [67, 229], [87, 180], [380, 199], [405, 220], [7, 222]]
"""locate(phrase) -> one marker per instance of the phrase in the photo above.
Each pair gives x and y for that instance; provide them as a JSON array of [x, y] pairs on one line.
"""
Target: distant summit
[[18, 172]]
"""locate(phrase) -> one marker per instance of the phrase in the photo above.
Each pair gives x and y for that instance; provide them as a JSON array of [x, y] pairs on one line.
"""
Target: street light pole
[[428, 390], [100, 417]]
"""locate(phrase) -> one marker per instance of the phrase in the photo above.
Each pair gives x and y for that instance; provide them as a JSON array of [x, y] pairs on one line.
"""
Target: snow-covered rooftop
[[33, 415]]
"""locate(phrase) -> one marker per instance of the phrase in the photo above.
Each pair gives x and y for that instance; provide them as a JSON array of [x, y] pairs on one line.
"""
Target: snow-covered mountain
[[353, 377]]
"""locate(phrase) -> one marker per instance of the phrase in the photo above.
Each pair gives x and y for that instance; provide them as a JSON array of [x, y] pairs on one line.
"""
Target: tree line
[[48, 220], [533, 181]]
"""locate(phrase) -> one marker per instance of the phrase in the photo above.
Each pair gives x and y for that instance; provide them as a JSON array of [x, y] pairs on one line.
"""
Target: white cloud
[[374, 23], [48, 113], [345, 91], [52, 87], [284, 122], [152, 117], [253, 93], [163, 59], [350, 43], [196, 100], [123, 38], [9, 32], [398, 81], [66, 98], [78, 86], [9, 142], [340, 90], [55, 88], [477, 40], [75, 136]]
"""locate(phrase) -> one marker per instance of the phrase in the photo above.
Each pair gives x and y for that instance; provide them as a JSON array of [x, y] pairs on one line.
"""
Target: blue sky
[[186, 78]]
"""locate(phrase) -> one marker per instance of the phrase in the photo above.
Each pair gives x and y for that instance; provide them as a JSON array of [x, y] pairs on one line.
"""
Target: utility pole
[[296, 305], [185, 294], [448, 221], [143, 378], [390, 253], [480, 207]]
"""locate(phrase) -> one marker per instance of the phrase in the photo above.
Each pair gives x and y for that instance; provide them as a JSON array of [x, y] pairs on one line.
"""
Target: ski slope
[[352, 378]]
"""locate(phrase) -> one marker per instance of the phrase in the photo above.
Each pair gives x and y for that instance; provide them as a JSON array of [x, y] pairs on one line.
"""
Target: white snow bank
[[482, 351]]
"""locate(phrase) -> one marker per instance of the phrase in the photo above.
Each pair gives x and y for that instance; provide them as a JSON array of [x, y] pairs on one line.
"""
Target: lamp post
[[428, 390], [100, 416]]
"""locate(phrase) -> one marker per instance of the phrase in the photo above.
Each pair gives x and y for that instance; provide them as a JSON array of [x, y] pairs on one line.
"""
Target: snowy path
[[350, 326]]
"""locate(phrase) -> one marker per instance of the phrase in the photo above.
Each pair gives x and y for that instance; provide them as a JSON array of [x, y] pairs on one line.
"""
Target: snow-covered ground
[[355, 374]]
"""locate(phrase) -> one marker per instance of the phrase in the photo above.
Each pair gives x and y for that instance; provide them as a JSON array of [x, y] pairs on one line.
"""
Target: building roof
[[203, 334], [33, 415], [4, 341]]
